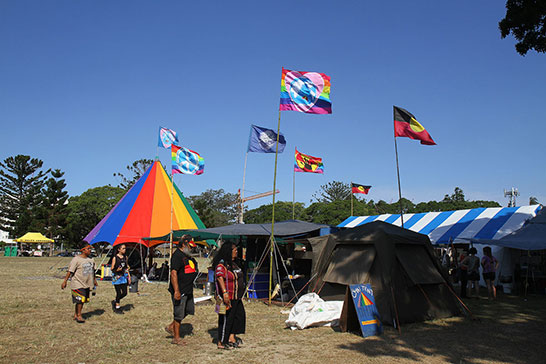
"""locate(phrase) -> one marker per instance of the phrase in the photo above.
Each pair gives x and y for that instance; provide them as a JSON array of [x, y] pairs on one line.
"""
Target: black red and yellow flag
[[406, 125], [307, 163], [356, 188]]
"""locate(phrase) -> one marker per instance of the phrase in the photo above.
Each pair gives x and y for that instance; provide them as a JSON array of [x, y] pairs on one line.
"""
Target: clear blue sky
[[84, 86]]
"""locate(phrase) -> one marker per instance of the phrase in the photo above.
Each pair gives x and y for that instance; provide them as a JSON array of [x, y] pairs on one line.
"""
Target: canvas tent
[[458, 225], [406, 278], [532, 236], [145, 210], [34, 238], [288, 228]]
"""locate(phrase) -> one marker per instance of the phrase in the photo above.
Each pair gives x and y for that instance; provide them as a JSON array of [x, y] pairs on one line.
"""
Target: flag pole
[[273, 210], [171, 232], [352, 198], [294, 193], [398, 174], [243, 190]]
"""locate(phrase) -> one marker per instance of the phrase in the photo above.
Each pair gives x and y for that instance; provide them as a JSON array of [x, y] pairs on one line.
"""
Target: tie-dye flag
[[186, 161], [167, 137], [307, 92], [307, 163]]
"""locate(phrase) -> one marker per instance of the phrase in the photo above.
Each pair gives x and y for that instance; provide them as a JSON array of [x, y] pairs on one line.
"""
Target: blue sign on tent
[[366, 310]]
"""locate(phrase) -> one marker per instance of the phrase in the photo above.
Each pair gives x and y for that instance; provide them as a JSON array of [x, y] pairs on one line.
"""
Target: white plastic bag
[[311, 310]]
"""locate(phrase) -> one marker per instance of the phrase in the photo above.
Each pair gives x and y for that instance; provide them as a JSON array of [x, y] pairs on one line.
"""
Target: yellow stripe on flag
[[370, 322]]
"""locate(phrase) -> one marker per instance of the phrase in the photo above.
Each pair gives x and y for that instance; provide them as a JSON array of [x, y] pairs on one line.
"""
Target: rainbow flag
[[307, 163], [307, 92], [167, 137], [186, 161]]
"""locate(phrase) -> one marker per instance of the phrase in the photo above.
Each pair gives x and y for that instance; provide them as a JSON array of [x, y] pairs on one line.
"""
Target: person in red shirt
[[230, 288]]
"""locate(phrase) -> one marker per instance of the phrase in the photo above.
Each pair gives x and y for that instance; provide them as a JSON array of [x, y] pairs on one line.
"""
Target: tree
[[216, 207], [283, 212], [21, 182], [54, 205], [135, 171], [526, 20], [333, 191], [533, 200], [87, 210]]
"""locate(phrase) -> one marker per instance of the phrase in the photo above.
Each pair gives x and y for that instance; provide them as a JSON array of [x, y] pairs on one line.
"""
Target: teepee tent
[[145, 210]]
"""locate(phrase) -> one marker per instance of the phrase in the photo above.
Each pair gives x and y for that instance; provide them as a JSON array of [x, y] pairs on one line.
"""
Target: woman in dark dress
[[230, 288], [121, 277]]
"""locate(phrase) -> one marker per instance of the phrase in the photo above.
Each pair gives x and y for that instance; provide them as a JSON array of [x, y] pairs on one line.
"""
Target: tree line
[[35, 199]]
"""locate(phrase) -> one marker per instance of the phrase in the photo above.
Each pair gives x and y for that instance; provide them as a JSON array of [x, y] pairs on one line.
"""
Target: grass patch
[[37, 327]]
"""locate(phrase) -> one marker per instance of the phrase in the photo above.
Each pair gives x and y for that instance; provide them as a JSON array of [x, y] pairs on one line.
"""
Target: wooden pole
[[398, 174], [294, 194], [273, 210], [352, 198], [243, 190], [171, 232]]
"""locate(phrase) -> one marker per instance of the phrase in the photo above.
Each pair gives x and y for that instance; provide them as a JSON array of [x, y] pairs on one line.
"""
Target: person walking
[[81, 271], [489, 266], [230, 288], [471, 265], [121, 277], [183, 272]]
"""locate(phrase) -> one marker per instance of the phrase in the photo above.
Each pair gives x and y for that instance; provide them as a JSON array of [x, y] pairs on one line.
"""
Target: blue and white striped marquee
[[457, 226]]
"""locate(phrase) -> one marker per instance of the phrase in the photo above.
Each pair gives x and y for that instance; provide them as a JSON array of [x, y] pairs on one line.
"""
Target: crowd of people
[[229, 280], [465, 268]]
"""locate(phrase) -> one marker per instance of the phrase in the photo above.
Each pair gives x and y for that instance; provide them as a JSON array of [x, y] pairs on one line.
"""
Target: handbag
[[220, 307]]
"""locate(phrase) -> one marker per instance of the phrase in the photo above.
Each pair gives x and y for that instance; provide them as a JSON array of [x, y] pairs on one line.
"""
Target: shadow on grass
[[127, 307], [508, 330], [95, 312], [213, 332]]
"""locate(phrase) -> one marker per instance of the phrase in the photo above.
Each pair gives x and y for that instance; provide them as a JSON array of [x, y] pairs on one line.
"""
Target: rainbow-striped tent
[[144, 211]]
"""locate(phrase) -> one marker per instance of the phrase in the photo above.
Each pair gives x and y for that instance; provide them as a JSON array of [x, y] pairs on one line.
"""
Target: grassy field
[[36, 327]]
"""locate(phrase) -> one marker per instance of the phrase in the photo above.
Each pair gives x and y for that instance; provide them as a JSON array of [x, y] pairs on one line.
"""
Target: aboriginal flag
[[406, 125], [356, 188], [307, 163]]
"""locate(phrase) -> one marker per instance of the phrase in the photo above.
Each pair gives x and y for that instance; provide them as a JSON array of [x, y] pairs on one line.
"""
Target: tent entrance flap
[[418, 265], [350, 264]]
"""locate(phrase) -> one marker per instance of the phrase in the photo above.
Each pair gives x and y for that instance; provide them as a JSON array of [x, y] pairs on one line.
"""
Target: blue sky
[[85, 85]]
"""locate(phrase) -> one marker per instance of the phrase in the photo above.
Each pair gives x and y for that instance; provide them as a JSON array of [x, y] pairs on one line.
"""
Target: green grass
[[36, 327]]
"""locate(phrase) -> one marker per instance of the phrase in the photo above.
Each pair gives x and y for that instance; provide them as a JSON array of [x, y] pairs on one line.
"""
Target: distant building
[[4, 236]]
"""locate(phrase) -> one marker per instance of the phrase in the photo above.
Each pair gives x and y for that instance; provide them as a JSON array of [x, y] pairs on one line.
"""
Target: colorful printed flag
[[307, 92], [307, 163], [167, 137], [356, 188], [264, 140], [406, 125], [186, 161]]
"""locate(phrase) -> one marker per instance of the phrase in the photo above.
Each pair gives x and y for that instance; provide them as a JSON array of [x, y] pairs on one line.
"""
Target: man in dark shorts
[[82, 272], [183, 273]]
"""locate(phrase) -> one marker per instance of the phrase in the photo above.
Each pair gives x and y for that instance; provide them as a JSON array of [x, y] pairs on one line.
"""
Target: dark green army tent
[[400, 265]]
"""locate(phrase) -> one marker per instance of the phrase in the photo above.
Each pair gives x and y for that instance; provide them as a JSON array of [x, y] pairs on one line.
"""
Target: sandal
[[224, 347], [234, 345], [79, 321], [239, 341], [169, 331], [179, 342]]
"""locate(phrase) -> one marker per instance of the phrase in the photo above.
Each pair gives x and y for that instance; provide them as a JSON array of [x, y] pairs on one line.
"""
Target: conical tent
[[145, 210]]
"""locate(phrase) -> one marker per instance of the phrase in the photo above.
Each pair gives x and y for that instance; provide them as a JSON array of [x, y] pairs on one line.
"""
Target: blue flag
[[167, 137], [264, 140]]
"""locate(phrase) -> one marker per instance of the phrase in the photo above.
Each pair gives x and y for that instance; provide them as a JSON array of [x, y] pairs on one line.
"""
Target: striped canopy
[[458, 226], [145, 210]]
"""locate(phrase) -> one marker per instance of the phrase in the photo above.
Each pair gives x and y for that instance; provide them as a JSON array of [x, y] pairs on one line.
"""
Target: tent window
[[418, 265], [350, 264]]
